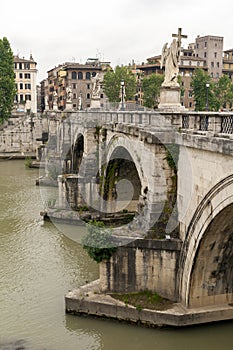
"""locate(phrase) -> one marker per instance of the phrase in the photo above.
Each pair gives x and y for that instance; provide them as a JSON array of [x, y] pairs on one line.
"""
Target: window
[[101, 95], [212, 74], [27, 65], [74, 95], [198, 63], [20, 65], [88, 75], [28, 86], [93, 74], [190, 94], [88, 86], [80, 75], [27, 97], [15, 65], [197, 46], [27, 76], [205, 55], [21, 86], [205, 44], [182, 63], [74, 86], [88, 96], [212, 64], [73, 75], [190, 104], [20, 75], [21, 98], [215, 54], [217, 75], [190, 63], [218, 64]]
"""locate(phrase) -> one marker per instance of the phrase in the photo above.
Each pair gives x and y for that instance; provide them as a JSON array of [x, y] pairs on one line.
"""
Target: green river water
[[39, 264]]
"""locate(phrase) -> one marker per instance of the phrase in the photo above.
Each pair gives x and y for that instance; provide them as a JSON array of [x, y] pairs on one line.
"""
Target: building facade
[[78, 79], [25, 80]]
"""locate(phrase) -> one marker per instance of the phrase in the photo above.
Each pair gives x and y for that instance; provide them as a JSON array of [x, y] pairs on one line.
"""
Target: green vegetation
[[220, 93], [7, 80], [144, 300], [112, 83], [97, 242], [28, 162], [172, 155], [151, 89]]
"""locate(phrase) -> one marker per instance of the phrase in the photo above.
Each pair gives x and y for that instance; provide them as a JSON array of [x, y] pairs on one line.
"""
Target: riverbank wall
[[88, 300], [20, 136]]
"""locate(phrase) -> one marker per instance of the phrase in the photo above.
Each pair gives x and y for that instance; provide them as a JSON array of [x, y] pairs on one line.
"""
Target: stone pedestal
[[170, 99], [95, 103], [69, 106]]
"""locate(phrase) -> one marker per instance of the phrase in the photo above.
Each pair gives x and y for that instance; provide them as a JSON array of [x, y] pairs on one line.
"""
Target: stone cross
[[179, 36]]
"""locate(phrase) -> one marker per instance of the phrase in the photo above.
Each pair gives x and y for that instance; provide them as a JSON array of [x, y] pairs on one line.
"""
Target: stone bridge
[[174, 171]]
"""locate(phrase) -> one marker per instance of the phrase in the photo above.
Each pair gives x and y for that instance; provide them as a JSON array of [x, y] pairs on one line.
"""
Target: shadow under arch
[[121, 185], [206, 277], [72, 155]]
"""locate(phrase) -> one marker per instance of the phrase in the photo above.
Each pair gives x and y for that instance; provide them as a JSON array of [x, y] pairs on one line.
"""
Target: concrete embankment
[[88, 300]]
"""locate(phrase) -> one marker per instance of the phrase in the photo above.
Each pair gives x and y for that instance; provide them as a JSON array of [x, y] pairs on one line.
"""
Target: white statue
[[68, 94], [46, 102], [95, 87], [171, 58], [55, 101]]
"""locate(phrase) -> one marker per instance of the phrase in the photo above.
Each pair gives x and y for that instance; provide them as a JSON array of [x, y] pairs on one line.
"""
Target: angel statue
[[171, 58], [96, 87]]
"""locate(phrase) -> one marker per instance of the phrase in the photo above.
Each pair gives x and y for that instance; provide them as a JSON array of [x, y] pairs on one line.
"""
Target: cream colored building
[[25, 79]]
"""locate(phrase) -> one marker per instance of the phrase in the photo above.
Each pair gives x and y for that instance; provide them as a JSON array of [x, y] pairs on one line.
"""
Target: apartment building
[[210, 48], [25, 80], [78, 78], [228, 63]]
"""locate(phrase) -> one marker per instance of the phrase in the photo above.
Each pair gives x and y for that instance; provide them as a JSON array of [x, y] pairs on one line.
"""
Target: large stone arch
[[117, 143], [204, 281], [72, 153], [155, 176]]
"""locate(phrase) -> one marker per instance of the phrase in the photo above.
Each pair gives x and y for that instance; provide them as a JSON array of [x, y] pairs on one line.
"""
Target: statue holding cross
[[170, 57]]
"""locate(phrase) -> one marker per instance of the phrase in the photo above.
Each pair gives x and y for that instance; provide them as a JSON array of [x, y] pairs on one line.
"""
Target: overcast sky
[[114, 30]]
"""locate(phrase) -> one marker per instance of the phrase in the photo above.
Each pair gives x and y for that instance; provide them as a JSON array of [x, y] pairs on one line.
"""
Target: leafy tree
[[223, 92], [112, 83], [199, 80], [97, 242], [7, 79], [151, 89]]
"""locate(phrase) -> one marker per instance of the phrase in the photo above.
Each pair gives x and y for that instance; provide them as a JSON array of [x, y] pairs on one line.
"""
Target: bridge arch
[[123, 147], [206, 264], [72, 155]]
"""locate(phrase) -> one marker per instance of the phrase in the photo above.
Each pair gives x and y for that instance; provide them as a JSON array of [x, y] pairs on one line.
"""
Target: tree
[[151, 89], [112, 83], [7, 80], [97, 241], [224, 92], [201, 92]]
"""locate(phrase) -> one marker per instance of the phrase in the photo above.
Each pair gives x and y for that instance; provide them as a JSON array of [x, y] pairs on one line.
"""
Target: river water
[[39, 264]]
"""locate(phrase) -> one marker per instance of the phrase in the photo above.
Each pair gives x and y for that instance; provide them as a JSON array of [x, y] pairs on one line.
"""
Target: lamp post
[[122, 95], [207, 96]]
